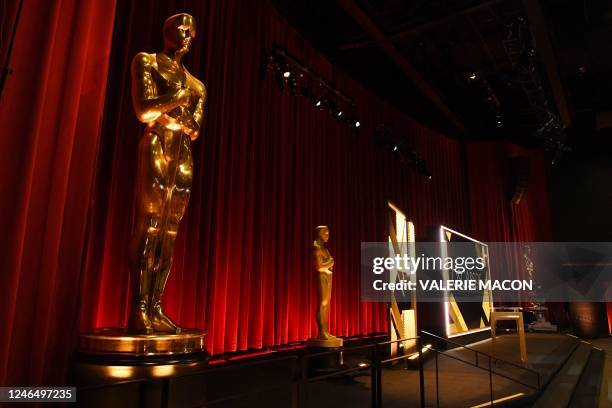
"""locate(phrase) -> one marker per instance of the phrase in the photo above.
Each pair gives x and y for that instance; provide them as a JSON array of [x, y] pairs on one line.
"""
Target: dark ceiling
[[512, 69]]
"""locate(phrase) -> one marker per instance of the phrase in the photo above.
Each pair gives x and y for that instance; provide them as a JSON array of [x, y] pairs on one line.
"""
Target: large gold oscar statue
[[324, 264], [171, 102]]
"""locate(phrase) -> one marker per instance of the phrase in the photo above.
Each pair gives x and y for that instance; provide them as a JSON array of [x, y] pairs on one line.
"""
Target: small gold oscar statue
[[170, 101], [324, 263]]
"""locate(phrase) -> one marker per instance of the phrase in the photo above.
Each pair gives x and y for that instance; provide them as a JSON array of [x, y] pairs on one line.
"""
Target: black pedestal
[[321, 364]]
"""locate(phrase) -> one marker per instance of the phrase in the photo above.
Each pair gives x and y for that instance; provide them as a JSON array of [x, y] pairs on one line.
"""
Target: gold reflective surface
[[324, 264], [171, 102], [120, 342]]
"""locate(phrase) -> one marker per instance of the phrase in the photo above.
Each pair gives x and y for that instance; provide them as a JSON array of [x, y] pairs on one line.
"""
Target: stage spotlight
[[395, 148], [499, 122], [472, 76], [286, 74], [357, 124], [339, 113], [318, 104]]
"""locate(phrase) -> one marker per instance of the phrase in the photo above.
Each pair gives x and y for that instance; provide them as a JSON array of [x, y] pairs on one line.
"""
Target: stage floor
[[605, 397], [244, 382], [461, 385]]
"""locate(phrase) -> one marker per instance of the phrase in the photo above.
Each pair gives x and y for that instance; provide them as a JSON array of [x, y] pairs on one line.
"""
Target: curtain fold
[[496, 219], [51, 111], [491, 188]]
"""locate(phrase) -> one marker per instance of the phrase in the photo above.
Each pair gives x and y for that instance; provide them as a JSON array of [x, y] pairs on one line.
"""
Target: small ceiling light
[[395, 148], [357, 124], [339, 113], [286, 74], [472, 76], [318, 104]]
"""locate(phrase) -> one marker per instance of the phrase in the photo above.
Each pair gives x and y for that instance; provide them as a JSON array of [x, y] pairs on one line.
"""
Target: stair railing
[[476, 364]]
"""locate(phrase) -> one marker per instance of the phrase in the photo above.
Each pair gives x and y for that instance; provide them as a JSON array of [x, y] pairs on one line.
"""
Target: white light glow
[[488, 403], [443, 250], [424, 349]]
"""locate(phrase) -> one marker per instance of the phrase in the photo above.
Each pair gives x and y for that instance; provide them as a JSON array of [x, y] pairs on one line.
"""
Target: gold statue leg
[[151, 175], [325, 288], [179, 189]]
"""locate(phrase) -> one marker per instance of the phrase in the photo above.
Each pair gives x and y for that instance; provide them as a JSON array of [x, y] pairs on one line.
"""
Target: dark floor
[[271, 384], [460, 385]]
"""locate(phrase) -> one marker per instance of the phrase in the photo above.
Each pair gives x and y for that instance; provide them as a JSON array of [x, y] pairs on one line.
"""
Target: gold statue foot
[[326, 336], [139, 320], [161, 322], [321, 342]]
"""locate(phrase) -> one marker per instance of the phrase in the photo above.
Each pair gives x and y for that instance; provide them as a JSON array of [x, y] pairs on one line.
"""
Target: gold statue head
[[322, 233], [179, 32]]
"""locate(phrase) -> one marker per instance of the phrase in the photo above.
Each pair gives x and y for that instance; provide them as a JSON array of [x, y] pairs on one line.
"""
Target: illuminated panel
[[464, 318], [401, 234]]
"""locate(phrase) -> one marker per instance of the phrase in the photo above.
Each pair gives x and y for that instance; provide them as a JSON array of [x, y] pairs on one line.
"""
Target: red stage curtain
[[51, 112], [490, 192], [268, 168], [609, 307], [494, 217]]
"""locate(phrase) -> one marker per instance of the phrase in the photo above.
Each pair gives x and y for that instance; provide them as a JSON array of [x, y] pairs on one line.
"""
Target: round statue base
[[324, 360], [122, 343], [324, 343]]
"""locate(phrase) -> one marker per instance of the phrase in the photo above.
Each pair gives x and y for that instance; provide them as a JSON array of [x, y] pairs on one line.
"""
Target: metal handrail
[[384, 343], [300, 379], [485, 354], [405, 356], [294, 360], [323, 353], [377, 370], [489, 369], [232, 365], [483, 368], [338, 373]]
